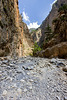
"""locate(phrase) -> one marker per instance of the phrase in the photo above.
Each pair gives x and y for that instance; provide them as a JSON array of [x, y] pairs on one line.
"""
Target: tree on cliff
[[63, 9]]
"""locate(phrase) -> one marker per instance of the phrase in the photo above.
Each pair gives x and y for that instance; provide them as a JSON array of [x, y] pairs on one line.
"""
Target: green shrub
[[3, 1], [36, 48], [31, 54], [63, 8], [63, 18], [55, 20], [46, 41], [1, 24], [48, 29]]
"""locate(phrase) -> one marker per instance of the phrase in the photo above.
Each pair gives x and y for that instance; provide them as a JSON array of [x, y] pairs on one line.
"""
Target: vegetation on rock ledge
[[36, 48]]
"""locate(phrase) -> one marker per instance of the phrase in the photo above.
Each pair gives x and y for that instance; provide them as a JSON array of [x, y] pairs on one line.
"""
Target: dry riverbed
[[31, 78]]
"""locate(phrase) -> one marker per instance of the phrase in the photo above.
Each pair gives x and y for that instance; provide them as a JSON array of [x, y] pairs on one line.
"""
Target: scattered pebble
[[65, 69], [65, 98], [31, 80], [30, 87], [22, 80], [4, 93], [19, 90], [53, 60], [60, 64], [25, 90], [39, 79]]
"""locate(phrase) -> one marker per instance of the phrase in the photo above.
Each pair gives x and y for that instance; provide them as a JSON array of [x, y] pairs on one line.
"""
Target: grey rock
[[65, 98], [11, 64], [60, 64], [5, 61], [19, 90], [22, 80], [1, 98], [25, 90], [4, 93], [30, 85], [8, 68], [19, 76], [3, 65], [58, 98], [28, 67], [65, 69], [53, 60]]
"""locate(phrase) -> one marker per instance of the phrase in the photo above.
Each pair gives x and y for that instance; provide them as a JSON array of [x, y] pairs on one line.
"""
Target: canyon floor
[[31, 78]]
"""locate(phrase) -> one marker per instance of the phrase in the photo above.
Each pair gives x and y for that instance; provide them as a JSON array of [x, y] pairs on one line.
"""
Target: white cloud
[[25, 17], [33, 25], [53, 3]]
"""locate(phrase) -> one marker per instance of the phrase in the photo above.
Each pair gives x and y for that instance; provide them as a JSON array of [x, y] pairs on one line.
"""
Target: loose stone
[[19, 90], [65, 98], [4, 92], [25, 90], [30, 87], [22, 80], [60, 64]]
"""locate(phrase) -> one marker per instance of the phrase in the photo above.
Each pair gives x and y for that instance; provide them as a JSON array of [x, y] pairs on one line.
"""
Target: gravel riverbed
[[31, 78]]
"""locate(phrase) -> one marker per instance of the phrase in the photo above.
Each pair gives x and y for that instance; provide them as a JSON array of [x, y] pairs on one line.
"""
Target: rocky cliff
[[48, 21], [11, 30], [27, 41], [55, 42], [36, 35]]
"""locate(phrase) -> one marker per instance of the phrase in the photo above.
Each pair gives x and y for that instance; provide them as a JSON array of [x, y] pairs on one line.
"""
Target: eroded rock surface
[[44, 81], [49, 19], [27, 41], [11, 29], [59, 50]]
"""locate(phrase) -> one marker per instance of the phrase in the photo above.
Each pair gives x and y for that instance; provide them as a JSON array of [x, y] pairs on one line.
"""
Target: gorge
[[22, 75], [52, 33]]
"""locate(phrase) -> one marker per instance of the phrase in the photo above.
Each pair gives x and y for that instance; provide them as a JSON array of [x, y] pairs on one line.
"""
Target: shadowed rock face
[[36, 35], [27, 41], [59, 50], [11, 31], [54, 43], [40, 34], [52, 15]]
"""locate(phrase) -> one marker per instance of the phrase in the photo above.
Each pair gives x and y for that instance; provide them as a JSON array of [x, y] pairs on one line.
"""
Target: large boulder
[[59, 50]]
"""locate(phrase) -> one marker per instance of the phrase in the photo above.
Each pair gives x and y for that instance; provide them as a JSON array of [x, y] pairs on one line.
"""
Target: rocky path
[[30, 78]]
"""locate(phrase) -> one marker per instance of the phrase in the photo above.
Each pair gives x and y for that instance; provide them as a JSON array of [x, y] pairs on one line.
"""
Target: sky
[[35, 11]]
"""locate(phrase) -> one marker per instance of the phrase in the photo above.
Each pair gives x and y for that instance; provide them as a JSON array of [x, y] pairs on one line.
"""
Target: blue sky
[[35, 11]]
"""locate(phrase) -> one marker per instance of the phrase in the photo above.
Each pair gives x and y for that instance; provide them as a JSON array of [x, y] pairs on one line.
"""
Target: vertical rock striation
[[48, 21], [54, 32], [11, 30], [27, 41]]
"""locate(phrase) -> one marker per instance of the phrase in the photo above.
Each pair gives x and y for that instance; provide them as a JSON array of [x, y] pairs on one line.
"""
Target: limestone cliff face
[[36, 34], [11, 30], [27, 41], [55, 43], [48, 21]]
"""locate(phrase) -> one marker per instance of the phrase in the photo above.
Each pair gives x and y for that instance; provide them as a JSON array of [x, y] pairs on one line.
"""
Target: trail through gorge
[[31, 78]]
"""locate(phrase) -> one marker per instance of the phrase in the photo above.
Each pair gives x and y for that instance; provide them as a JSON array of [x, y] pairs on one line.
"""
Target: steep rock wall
[[11, 30], [36, 35], [48, 21], [27, 41], [55, 43]]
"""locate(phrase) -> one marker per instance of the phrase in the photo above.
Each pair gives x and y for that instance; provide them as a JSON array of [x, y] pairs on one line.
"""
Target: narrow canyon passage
[[30, 78], [40, 31]]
